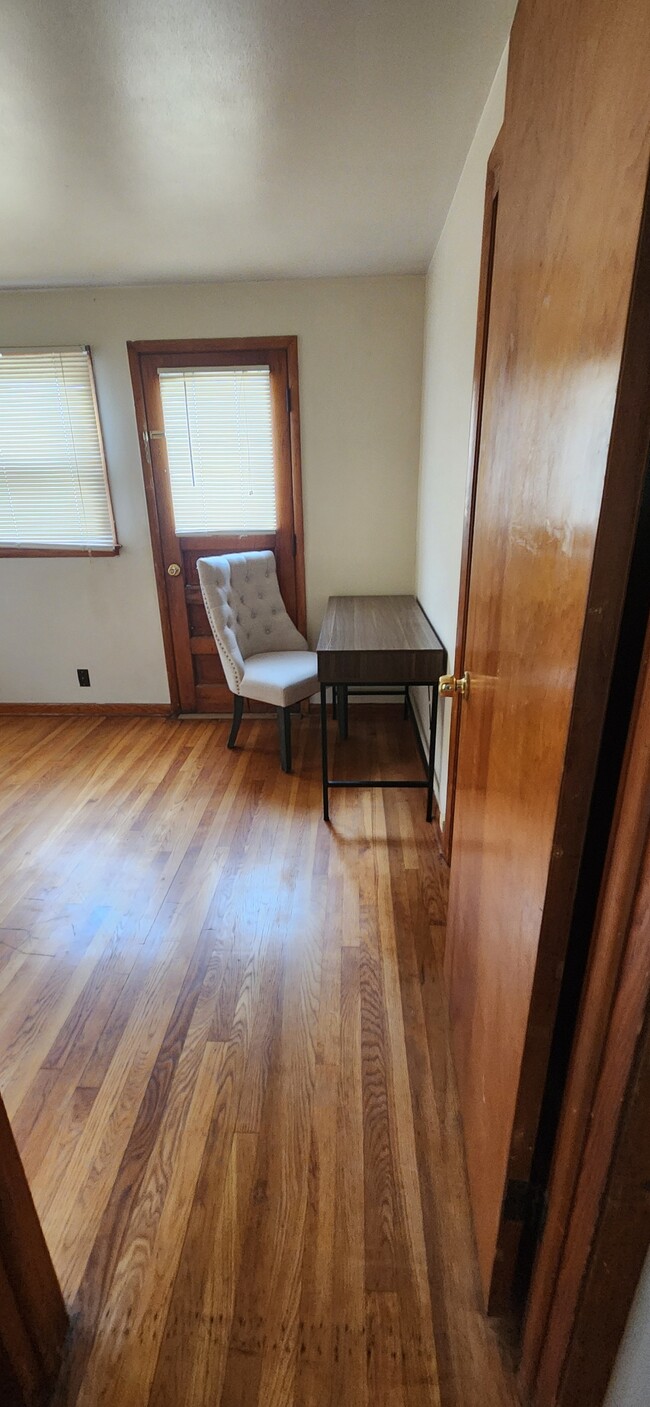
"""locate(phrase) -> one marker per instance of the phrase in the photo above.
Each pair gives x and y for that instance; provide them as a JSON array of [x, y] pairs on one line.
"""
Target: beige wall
[[360, 354], [629, 1382], [450, 328]]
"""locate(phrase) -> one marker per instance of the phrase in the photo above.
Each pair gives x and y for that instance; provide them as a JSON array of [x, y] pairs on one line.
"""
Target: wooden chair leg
[[284, 729], [237, 711]]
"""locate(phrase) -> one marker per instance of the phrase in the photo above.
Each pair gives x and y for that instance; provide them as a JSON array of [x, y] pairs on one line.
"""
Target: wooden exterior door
[[197, 682], [562, 455]]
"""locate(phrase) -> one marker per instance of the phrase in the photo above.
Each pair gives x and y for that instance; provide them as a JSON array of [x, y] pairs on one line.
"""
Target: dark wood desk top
[[378, 640]]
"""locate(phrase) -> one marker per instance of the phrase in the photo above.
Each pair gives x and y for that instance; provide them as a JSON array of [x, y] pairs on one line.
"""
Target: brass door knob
[[174, 569], [448, 685]]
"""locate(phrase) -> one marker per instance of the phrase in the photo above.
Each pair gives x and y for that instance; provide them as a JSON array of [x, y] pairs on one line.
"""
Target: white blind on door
[[219, 436], [53, 485]]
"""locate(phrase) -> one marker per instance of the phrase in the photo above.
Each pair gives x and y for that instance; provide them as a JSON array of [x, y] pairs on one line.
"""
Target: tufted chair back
[[245, 610]]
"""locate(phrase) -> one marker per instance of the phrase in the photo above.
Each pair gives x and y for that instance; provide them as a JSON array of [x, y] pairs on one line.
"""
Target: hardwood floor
[[224, 1055]]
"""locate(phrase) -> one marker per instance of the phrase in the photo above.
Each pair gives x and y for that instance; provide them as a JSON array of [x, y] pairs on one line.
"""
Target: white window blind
[[53, 484], [219, 436]]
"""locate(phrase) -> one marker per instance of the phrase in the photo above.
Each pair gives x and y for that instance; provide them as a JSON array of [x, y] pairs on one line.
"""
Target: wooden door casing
[[552, 539], [562, 1324], [33, 1318], [197, 682]]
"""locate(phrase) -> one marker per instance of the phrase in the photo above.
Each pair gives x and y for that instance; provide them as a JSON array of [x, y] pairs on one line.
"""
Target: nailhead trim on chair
[[222, 645]]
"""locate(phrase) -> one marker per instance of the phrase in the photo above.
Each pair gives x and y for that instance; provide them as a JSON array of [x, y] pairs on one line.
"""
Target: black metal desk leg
[[323, 741], [342, 709], [432, 754]]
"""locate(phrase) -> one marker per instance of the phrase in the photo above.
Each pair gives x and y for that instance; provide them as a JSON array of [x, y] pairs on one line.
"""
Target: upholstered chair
[[263, 656]]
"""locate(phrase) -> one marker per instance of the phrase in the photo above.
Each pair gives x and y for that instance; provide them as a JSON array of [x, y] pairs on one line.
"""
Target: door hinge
[[527, 1203], [288, 400], [295, 545], [148, 436]]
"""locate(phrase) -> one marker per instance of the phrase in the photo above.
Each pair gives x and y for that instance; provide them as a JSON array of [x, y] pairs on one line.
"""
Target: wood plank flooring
[[224, 1054]]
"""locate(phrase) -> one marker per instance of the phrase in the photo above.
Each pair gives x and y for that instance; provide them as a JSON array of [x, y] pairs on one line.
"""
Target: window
[[54, 494], [219, 436]]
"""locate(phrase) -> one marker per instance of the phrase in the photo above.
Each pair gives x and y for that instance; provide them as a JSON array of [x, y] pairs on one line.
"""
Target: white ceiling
[[156, 140]]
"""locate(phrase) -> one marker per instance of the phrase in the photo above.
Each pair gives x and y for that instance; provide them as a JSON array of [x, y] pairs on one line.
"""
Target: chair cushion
[[281, 677]]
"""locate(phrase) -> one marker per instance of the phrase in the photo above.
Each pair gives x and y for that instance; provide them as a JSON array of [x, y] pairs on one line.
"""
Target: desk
[[381, 641]]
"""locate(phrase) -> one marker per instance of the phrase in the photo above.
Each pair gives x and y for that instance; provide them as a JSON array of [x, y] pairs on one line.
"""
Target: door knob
[[174, 569], [448, 685]]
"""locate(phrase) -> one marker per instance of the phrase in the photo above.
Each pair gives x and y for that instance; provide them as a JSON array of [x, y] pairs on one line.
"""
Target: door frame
[[185, 346], [33, 1316], [488, 242], [592, 1250]]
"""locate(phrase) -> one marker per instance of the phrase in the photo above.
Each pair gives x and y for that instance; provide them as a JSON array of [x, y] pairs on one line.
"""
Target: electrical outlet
[[83, 675]]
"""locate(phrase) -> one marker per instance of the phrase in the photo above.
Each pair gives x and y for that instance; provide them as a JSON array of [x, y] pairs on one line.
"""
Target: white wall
[[360, 360], [630, 1381], [450, 330]]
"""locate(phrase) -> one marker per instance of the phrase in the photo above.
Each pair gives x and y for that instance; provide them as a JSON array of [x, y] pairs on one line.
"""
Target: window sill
[[60, 551]]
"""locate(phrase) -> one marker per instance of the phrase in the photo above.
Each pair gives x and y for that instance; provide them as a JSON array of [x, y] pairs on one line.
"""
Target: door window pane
[[219, 436]]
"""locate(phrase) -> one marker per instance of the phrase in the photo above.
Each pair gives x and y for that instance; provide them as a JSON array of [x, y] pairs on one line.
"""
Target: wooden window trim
[[60, 551], [226, 345]]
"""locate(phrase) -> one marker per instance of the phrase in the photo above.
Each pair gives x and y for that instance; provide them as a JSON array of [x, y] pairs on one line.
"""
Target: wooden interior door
[[197, 681], [558, 487], [488, 243]]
